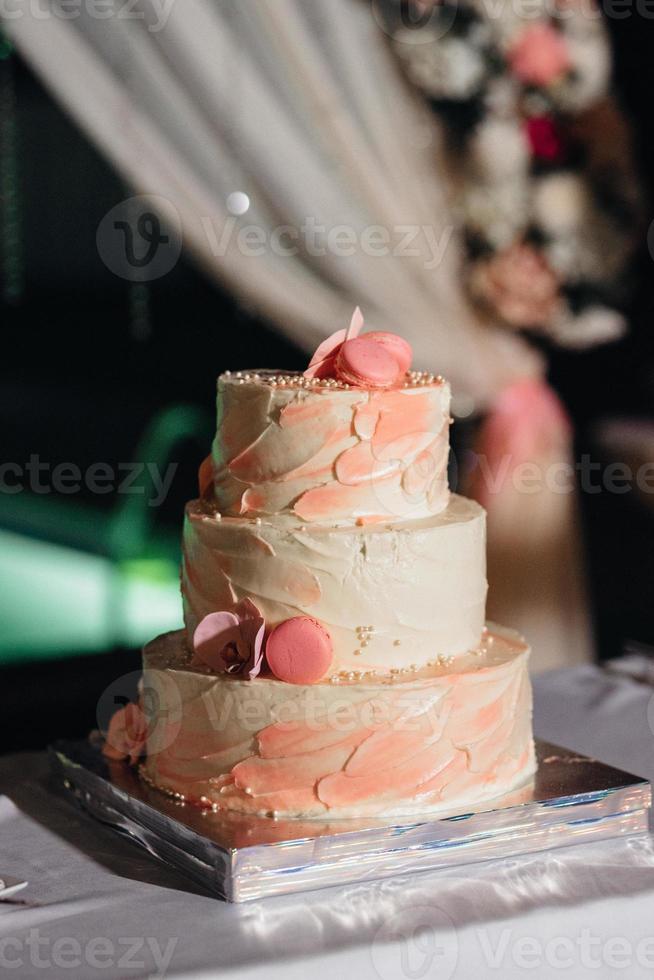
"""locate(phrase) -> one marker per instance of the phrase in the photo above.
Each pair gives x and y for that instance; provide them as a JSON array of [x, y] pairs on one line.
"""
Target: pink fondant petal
[[246, 609], [322, 363], [324, 352], [356, 325], [257, 652], [213, 634]]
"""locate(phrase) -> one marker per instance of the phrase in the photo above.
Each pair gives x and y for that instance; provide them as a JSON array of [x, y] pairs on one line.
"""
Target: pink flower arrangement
[[519, 285], [231, 642], [539, 55], [127, 734]]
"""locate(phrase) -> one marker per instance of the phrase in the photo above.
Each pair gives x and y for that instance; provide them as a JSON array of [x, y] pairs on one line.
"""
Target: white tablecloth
[[98, 906]]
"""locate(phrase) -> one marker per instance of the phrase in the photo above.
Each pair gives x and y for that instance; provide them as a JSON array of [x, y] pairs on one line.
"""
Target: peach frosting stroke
[[420, 585], [357, 749], [330, 455]]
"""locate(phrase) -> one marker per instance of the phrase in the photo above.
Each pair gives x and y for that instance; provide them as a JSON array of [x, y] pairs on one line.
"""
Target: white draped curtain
[[300, 105]]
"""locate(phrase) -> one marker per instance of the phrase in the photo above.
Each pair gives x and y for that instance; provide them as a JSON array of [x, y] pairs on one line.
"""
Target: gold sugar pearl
[[413, 379]]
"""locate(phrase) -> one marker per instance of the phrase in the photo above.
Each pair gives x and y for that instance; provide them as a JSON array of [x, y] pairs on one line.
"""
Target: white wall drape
[[300, 105]]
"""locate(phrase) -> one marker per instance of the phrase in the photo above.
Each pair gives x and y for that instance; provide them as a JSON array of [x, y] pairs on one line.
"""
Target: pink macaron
[[299, 651], [367, 364], [397, 346]]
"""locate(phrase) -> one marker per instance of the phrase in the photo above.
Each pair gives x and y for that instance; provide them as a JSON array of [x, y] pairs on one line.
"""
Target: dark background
[[89, 359]]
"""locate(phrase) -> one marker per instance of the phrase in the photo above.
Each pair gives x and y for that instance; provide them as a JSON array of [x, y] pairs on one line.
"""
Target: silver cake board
[[240, 858]]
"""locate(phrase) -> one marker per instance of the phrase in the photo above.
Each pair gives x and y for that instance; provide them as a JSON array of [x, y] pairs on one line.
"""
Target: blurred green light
[[56, 602]]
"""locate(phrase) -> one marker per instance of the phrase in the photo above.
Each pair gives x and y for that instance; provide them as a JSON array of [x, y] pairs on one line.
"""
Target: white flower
[[498, 213], [591, 60], [501, 97], [584, 241], [500, 150], [563, 255], [560, 203], [594, 325], [443, 68]]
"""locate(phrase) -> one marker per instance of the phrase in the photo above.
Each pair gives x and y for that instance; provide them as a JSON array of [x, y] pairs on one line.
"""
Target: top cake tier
[[329, 453]]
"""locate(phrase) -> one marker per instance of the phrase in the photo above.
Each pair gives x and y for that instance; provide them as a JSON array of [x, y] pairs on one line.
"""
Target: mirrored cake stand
[[571, 799]]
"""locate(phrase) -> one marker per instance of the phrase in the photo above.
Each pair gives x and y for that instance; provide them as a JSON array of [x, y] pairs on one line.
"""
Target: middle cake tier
[[392, 596]]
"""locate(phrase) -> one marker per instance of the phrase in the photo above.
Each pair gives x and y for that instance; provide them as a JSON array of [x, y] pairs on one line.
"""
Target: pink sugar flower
[[231, 642], [519, 285], [127, 734], [539, 55]]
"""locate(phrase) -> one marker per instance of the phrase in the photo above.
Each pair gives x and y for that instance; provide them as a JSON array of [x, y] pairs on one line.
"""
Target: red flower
[[545, 139]]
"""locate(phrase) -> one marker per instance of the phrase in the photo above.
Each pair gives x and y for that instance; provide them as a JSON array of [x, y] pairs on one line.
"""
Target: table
[[98, 906]]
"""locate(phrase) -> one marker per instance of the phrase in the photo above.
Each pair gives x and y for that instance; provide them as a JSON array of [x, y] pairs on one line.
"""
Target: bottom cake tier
[[448, 737]]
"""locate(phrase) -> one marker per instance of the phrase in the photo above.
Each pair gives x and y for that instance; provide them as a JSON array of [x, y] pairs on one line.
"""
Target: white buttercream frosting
[[327, 454], [450, 736], [420, 585]]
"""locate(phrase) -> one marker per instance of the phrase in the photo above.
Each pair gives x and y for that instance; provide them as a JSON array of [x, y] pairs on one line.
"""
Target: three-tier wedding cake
[[335, 659]]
